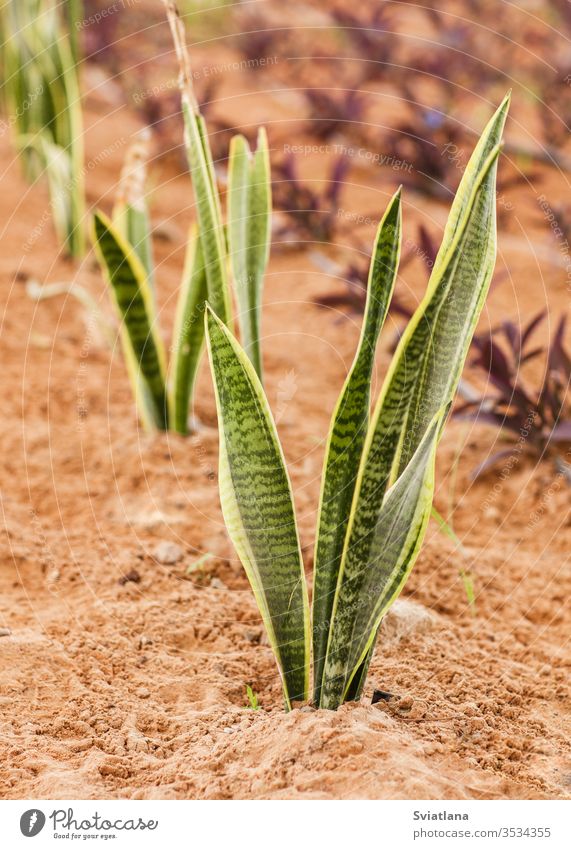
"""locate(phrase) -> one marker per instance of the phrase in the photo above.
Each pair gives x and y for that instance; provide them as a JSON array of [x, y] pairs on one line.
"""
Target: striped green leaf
[[377, 561], [347, 434], [140, 338], [428, 362], [188, 336], [486, 144], [208, 212], [249, 220], [208, 209], [258, 509]]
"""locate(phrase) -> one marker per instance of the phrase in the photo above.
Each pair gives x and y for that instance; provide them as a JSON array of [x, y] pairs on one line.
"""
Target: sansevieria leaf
[[208, 210], [430, 357], [249, 220], [188, 335], [41, 91], [57, 166], [376, 563], [133, 298], [428, 362], [258, 508], [347, 434]]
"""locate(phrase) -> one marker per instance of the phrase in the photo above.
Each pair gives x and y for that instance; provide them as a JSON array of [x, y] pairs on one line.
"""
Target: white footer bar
[[292, 824]]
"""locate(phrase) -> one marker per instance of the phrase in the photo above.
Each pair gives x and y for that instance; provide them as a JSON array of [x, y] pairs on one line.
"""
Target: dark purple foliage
[[335, 112], [369, 37], [353, 297], [539, 417], [312, 215]]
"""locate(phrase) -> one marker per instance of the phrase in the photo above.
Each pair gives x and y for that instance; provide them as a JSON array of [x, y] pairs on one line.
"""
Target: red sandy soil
[[124, 676]]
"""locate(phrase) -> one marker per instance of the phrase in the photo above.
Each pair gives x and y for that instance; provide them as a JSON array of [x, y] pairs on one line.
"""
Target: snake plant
[[378, 477], [124, 249], [123, 243], [43, 102]]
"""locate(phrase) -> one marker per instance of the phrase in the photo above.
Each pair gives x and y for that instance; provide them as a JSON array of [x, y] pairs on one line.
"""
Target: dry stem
[[179, 38], [133, 175]]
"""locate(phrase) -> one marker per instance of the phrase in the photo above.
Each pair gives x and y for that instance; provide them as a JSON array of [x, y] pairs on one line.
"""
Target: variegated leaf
[[258, 508], [188, 335], [249, 219], [208, 210], [133, 299], [347, 434], [428, 362], [376, 564]]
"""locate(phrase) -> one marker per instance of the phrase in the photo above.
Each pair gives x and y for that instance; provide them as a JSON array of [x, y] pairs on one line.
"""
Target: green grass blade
[[376, 564], [188, 336], [249, 220], [465, 575], [133, 299], [258, 509], [347, 434]]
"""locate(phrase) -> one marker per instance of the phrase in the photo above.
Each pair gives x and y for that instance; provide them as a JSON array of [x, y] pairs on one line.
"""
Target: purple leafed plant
[[539, 418], [334, 113], [370, 38], [311, 215]]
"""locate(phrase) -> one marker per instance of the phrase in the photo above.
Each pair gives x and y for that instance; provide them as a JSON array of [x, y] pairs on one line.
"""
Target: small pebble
[[252, 636], [144, 641], [144, 694], [5, 632], [168, 553], [132, 575], [381, 696], [217, 584]]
